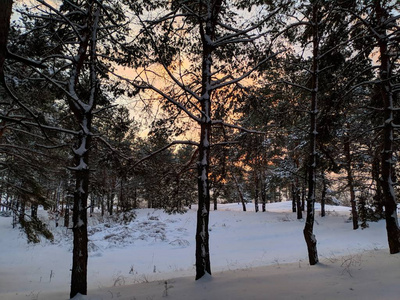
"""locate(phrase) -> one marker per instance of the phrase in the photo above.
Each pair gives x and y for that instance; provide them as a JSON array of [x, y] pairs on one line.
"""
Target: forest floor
[[253, 256]]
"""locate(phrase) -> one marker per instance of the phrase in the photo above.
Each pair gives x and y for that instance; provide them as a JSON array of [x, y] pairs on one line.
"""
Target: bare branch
[[164, 148], [240, 128]]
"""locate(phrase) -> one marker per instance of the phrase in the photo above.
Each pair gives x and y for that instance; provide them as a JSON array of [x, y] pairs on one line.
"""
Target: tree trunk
[[309, 226], [256, 190], [21, 213], [66, 214], [304, 190], [297, 193], [240, 193], [5, 16], [83, 114], [215, 198], [378, 198], [298, 204], [203, 265], [294, 207], [263, 193], [386, 93], [34, 209], [79, 217], [350, 182], [202, 237], [323, 196]]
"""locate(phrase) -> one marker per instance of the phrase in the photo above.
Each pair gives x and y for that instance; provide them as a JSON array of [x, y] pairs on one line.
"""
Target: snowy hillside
[[158, 247]]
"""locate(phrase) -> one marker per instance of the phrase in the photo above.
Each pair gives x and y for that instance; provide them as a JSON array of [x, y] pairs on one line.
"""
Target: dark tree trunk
[[135, 205], [110, 202], [21, 213], [378, 198], [297, 193], [350, 181], [256, 191], [294, 207], [298, 204], [83, 115], [309, 225], [386, 93], [240, 193], [304, 191], [66, 214], [79, 218], [15, 205], [263, 193], [5, 16], [34, 209], [203, 265], [215, 198], [102, 206], [323, 195]]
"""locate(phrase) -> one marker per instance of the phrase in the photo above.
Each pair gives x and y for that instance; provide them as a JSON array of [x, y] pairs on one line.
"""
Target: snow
[[252, 255]]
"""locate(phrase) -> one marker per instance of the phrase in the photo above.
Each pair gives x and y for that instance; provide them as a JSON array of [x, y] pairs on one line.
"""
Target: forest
[[110, 106]]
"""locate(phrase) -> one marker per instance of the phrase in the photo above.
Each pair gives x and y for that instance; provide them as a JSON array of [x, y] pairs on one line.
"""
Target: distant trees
[[382, 26]]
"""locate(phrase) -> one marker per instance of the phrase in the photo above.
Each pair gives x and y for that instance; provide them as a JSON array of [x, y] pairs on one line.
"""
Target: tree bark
[[323, 196], [263, 193], [83, 114], [5, 16], [294, 207], [378, 198], [387, 164], [79, 217], [256, 190], [240, 193], [350, 181], [297, 193], [203, 265], [309, 225], [202, 236]]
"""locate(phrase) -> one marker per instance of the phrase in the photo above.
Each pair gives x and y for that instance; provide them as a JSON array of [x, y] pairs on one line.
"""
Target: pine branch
[[220, 122], [162, 149]]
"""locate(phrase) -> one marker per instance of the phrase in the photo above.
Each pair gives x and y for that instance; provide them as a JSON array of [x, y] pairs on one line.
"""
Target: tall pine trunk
[[79, 218], [378, 198], [256, 190], [263, 193], [203, 265], [5, 16], [83, 111], [323, 195], [240, 193], [350, 182], [387, 164], [312, 167]]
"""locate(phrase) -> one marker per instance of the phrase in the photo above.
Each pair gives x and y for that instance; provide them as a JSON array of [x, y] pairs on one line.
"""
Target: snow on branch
[[241, 35], [24, 60], [57, 12]]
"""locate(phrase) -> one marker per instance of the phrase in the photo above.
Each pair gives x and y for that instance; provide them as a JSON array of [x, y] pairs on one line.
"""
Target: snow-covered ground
[[253, 256]]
